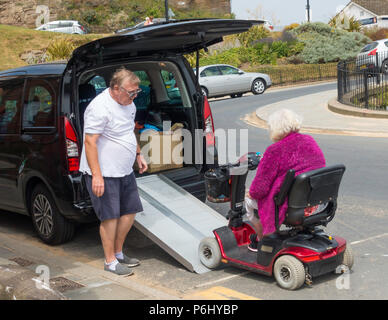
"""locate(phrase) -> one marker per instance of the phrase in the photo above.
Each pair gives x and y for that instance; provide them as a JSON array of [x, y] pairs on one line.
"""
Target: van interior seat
[[87, 93]]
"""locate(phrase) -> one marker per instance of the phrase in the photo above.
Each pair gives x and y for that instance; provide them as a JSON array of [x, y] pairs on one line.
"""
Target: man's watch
[[137, 154]]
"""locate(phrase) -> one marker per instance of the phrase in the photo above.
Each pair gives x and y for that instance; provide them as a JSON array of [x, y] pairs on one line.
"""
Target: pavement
[[31, 272], [323, 114]]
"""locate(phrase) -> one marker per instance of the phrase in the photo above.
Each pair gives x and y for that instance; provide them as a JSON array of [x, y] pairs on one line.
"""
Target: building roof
[[378, 7]]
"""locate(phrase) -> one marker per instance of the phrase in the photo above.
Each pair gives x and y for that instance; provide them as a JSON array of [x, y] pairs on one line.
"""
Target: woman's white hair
[[283, 122]]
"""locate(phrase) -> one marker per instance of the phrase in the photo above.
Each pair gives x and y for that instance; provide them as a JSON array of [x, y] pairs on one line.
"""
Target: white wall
[[355, 11]]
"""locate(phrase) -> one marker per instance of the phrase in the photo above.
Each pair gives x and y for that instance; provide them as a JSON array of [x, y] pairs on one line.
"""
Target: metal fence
[[363, 81], [289, 74]]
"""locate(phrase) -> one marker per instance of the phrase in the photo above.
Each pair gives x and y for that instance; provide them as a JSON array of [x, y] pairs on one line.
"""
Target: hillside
[[104, 16], [21, 43]]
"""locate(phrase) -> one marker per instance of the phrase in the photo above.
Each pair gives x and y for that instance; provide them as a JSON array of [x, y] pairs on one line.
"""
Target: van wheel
[[289, 272], [209, 252], [50, 225]]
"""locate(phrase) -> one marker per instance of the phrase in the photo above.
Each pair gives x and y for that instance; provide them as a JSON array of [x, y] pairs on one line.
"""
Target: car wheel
[[384, 67], [258, 86], [209, 252], [205, 92], [289, 272], [49, 224]]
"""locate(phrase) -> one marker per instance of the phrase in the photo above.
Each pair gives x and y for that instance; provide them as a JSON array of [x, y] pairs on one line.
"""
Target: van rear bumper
[[73, 200]]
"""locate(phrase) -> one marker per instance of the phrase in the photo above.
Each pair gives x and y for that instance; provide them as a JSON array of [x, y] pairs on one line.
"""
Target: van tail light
[[372, 53], [209, 124], [72, 148]]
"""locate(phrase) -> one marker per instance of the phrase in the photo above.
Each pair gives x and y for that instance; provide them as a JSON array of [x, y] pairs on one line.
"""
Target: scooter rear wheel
[[209, 252], [289, 272], [348, 257]]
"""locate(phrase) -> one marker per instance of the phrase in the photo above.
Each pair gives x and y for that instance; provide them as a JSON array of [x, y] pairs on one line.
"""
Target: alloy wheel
[[43, 215]]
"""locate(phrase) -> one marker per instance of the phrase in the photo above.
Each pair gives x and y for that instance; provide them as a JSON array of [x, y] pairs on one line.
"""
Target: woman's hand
[[247, 195]]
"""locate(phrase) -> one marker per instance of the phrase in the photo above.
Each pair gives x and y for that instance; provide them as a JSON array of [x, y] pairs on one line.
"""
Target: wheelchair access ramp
[[175, 220]]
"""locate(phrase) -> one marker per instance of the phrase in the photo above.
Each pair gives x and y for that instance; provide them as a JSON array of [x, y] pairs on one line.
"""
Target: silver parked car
[[64, 26], [374, 56], [221, 80]]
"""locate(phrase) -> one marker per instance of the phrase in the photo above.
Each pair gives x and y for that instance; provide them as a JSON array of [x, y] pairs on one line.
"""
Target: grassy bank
[[16, 41]]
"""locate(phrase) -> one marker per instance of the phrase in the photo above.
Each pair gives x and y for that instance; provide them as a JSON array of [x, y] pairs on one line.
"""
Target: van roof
[[55, 68]]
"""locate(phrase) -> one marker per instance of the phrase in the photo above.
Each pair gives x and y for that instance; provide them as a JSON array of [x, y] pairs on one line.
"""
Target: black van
[[42, 107]]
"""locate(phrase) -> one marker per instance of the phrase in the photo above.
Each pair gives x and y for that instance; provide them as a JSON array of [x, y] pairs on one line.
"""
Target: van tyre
[[289, 272], [209, 253], [258, 86], [51, 227]]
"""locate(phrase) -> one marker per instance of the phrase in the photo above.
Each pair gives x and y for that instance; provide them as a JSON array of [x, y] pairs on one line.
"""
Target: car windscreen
[[369, 47]]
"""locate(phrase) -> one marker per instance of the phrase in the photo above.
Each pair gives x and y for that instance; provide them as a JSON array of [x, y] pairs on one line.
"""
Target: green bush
[[252, 35], [60, 49], [323, 43]]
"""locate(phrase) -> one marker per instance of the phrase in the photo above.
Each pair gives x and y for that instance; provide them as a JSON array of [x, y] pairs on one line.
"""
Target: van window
[[39, 104], [143, 99], [98, 83], [170, 83], [10, 100]]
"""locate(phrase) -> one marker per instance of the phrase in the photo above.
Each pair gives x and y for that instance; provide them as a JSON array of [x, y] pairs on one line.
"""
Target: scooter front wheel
[[289, 272], [209, 252]]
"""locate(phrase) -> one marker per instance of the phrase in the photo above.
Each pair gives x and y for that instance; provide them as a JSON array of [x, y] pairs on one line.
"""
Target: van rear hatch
[[179, 37]]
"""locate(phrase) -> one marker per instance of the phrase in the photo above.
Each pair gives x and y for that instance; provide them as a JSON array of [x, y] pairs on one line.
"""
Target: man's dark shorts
[[120, 197]]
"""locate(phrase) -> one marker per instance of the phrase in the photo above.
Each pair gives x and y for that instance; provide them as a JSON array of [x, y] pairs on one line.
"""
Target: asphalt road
[[362, 214], [362, 218]]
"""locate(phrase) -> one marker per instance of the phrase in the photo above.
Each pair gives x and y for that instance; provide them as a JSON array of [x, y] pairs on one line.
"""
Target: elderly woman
[[290, 150]]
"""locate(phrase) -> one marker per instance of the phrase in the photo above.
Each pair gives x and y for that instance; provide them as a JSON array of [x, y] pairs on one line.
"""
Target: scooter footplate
[[239, 256]]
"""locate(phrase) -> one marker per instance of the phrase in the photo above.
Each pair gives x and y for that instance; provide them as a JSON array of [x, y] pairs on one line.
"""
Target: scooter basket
[[217, 185]]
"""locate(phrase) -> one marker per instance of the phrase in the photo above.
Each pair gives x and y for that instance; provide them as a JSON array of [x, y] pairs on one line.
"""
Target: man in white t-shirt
[[110, 150]]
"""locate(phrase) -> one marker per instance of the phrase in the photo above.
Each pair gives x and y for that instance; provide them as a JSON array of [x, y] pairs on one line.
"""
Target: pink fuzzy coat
[[296, 151]]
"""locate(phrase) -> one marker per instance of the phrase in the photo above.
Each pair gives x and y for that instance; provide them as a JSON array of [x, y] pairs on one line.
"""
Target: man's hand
[[98, 185], [141, 163]]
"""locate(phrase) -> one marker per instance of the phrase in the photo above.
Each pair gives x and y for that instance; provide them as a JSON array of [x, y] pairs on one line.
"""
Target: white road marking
[[368, 239], [220, 280]]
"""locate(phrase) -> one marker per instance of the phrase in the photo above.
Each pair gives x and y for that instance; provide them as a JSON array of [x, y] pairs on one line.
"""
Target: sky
[[285, 12]]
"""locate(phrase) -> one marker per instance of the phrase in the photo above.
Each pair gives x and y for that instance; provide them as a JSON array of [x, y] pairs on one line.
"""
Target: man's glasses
[[131, 94]]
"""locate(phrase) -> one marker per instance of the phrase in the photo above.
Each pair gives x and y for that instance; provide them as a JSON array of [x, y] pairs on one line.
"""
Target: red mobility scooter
[[298, 252]]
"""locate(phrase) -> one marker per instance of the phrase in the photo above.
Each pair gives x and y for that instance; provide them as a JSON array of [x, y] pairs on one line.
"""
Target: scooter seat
[[310, 189]]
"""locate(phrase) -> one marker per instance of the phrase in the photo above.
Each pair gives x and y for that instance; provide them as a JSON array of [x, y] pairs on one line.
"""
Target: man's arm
[[92, 158]]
